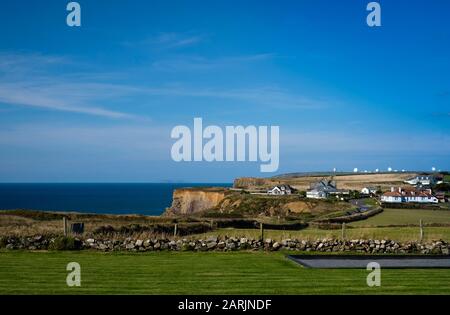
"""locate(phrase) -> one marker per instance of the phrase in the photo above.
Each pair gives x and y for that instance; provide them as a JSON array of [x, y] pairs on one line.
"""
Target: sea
[[136, 198]]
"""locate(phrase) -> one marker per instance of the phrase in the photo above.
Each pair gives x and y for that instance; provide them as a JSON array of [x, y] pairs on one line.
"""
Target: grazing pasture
[[391, 217]]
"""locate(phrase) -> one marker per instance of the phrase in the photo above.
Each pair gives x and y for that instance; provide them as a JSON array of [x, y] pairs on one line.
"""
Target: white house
[[392, 197], [323, 189], [408, 196], [280, 190], [316, 194], [422, 180], [369, 190]]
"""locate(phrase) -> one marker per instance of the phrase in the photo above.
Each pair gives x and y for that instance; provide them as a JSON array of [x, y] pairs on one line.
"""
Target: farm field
[[406, 217], [200, 273], [344, 181]]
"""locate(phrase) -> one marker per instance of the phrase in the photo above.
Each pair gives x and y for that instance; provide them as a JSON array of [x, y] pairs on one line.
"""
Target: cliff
[[188, 201], [221, 202]]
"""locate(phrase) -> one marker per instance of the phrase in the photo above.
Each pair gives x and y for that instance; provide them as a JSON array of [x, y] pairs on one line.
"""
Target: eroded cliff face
[[188, 201]]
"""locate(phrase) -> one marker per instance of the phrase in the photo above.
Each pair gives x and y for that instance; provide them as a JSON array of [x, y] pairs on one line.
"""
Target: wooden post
[[343, 231], [261, 229], [175, 230], [65, 226], [421, 230]]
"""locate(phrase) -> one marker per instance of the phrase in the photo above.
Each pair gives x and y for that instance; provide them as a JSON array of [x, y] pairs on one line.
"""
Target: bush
[[185, 228], [354, 194], [104, 229], [65, 243], [237, 223], [218, 215], [3, 241], [442, 187]]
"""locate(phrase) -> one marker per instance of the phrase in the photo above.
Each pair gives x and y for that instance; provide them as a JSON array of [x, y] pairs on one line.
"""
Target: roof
[[281, 187], [392, 194], [422, 177], [324, 185], [408, 193]]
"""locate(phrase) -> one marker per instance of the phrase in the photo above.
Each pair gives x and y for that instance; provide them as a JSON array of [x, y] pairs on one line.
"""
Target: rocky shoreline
[[224, 244]]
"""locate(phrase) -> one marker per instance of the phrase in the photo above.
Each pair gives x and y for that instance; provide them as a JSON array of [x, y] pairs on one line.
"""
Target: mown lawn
[[200, 273], [406, 217]]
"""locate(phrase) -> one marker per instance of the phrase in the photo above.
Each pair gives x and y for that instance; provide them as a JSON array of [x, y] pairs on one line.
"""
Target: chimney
[[392, 189], [399, 189]]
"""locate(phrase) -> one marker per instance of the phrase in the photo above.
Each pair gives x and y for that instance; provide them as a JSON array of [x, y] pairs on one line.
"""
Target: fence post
[[65, 226], [261, 230], [421, 230], [343, 231], [175, 230]]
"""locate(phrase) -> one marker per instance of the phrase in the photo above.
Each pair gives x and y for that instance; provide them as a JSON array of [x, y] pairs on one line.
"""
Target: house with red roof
[[408, 195]]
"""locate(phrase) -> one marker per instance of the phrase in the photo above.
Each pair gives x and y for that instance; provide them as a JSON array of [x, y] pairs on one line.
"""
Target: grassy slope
[[406, 217], [200, 273]]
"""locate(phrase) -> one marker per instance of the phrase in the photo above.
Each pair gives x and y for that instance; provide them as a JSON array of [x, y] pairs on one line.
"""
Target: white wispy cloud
[[167, 40], [199, 63], [30, 80], [28, 61], [54, 99], [174, 40], [127, 140], [26, 80], [265, 95]]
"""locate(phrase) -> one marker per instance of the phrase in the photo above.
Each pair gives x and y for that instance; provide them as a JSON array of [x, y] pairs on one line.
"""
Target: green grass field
[[406, 217], [200, 273]]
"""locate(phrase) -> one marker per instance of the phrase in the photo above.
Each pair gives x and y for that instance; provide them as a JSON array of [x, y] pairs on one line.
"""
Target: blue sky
[[97, 103]]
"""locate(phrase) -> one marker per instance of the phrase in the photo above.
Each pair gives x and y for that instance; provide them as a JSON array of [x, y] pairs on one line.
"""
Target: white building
[[369, 190], [280, 190], [325, 188], [316, 194], [422, 180], [408, 196]]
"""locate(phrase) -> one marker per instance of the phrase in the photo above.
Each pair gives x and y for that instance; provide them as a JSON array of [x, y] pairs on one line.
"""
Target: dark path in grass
[[200, 273], [336, 261]]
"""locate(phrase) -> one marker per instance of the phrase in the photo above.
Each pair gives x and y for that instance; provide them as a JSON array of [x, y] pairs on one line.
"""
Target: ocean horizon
[[100, 198]]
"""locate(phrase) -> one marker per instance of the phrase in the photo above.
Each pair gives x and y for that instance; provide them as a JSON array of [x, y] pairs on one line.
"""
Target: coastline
[[93, 198]]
